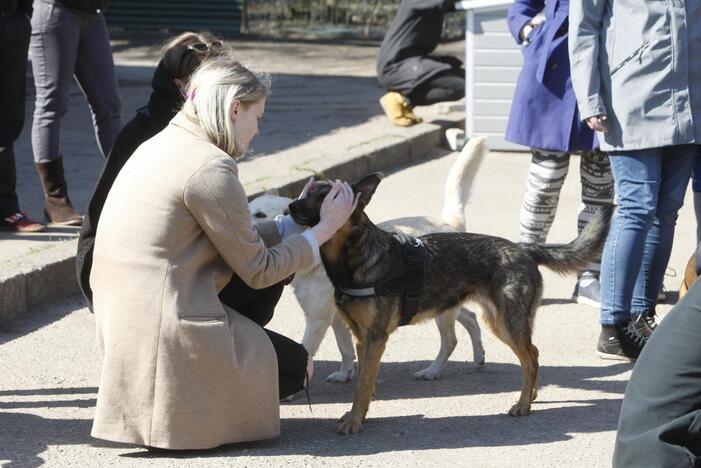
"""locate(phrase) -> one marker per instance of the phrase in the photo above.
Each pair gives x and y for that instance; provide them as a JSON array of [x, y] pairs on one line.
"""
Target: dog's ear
[[272, 191], [366, 187]]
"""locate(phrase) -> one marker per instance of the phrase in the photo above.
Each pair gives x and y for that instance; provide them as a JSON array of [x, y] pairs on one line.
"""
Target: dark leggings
[[446, 86], [258, 305]]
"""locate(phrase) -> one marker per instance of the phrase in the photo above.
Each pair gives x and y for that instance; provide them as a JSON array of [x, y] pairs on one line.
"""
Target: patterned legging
[[545, 179]]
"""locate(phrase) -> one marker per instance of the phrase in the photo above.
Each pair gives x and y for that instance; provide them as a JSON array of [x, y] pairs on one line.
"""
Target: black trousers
[[259, 306], [445, 86], [15, 30], [660, 422]]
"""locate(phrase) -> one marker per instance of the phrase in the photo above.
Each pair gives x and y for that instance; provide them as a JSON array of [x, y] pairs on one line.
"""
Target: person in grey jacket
[[636, 73], [69, 39]]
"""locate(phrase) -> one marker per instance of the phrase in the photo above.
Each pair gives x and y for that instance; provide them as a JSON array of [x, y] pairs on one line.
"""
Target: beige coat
[[180, 370]]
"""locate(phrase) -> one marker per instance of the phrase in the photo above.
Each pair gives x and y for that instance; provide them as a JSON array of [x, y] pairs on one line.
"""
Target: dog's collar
[[408, 283]]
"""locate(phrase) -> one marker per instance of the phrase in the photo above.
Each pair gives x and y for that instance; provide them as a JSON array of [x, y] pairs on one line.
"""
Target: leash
[[408, 283]]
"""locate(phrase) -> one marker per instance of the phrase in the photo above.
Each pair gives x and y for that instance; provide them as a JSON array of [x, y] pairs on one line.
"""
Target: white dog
[[316, 294]]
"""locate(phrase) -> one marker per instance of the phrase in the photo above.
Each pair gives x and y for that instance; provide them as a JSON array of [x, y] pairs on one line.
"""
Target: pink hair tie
[[191, 94]]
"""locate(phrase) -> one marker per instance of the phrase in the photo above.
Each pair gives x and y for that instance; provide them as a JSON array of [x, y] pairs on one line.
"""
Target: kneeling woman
[[180, 369]]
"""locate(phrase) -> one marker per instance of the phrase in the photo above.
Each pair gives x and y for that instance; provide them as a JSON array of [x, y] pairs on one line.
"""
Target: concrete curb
[[49, 273], [42, 276]]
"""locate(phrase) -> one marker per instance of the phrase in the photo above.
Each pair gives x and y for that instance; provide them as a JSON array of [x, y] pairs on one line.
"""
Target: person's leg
[[14, 44], [637, 177], [446, 86], [545, 178], [677, 165], [597, 192], [256, 304], [94, 71], [54, 46], [291, 363], [697, 193]]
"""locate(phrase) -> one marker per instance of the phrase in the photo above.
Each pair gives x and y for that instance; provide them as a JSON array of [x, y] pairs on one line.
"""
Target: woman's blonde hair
[[211, 93], [181, 60]]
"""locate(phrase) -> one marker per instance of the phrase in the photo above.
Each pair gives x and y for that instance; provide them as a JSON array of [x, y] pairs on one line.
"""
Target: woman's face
[[245, 117]]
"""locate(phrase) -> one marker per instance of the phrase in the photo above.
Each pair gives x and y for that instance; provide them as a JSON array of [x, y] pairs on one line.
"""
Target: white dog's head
[[267, 206]]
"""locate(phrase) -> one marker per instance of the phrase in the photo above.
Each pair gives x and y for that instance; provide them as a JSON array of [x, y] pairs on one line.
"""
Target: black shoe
[[621, 342], [588, 291], [646, 323]]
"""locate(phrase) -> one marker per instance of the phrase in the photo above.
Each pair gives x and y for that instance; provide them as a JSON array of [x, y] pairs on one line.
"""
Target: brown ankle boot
[[397, 109], [57, 205]]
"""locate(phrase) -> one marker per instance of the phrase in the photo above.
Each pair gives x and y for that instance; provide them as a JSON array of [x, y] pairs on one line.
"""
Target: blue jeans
[[650, 185]]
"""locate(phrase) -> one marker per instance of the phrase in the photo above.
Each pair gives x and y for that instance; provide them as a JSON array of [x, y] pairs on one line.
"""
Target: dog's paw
[[289, 398], [427, 374], [520, 410], [340, 377], [349, 424], [479, 362]]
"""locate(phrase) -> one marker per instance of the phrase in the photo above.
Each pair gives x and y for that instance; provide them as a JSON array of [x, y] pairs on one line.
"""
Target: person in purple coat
[[544, 117]]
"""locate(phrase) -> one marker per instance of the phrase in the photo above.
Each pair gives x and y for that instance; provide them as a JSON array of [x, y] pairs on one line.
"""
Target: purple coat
[[544, 111]]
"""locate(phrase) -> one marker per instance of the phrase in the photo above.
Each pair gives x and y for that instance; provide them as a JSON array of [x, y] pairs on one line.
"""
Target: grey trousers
[[64, 44]]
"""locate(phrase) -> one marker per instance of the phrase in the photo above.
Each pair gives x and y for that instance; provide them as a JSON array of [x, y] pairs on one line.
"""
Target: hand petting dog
[[337, 207]]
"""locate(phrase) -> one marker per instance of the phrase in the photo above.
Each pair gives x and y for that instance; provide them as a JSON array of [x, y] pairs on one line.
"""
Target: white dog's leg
[[344, 339], [314, 333], [446, 326], [468, 319]]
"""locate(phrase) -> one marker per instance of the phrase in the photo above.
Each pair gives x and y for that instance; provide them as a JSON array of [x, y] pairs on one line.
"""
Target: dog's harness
[[407, 283]]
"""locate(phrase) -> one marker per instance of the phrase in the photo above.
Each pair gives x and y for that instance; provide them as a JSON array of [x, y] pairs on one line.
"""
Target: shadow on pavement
[[25, 436], [395, 381], [38, 318], [317, 437]]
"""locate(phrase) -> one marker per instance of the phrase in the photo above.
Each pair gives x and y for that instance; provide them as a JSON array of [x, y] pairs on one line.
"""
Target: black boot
[[57, 205]]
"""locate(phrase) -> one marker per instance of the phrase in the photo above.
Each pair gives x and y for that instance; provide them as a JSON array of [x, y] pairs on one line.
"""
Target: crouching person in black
[[405, 67]]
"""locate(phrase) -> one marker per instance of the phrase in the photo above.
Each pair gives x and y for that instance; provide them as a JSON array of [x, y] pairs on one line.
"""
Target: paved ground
[[50, 371]]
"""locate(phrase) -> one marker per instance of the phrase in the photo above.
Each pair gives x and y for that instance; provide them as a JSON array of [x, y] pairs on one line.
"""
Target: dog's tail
[[579, 253], [459, 182]]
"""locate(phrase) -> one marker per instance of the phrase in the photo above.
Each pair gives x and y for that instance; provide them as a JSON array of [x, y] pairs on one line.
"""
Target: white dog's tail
[[460, 181]]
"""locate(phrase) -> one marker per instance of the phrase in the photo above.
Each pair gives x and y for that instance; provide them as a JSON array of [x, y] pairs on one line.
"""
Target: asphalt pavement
[[50, 369]]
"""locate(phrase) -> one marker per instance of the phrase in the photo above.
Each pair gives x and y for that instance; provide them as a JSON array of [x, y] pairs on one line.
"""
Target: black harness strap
[[407, 283]]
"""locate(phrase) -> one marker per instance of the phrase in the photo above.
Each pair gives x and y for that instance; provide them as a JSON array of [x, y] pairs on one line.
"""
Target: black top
[[415, 32], [8, 7], [91, 7], [165, 101]]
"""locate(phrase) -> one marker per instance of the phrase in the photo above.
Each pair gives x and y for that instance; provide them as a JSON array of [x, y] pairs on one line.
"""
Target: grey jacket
[[638, 62]]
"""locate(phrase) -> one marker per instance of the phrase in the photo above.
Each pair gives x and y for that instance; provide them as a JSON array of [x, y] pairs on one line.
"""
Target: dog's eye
[[259, 214]]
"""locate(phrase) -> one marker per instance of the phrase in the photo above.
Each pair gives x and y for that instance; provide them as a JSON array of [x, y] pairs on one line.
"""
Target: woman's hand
[[530, 26], [598, 123], [310, 369], [337, 207]]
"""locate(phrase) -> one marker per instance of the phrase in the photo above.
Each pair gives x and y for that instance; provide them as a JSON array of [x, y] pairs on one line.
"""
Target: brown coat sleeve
[[215, 197], [267, 230]]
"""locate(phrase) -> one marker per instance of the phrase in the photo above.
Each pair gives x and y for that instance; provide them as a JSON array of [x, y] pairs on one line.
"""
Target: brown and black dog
[[499, 275]]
